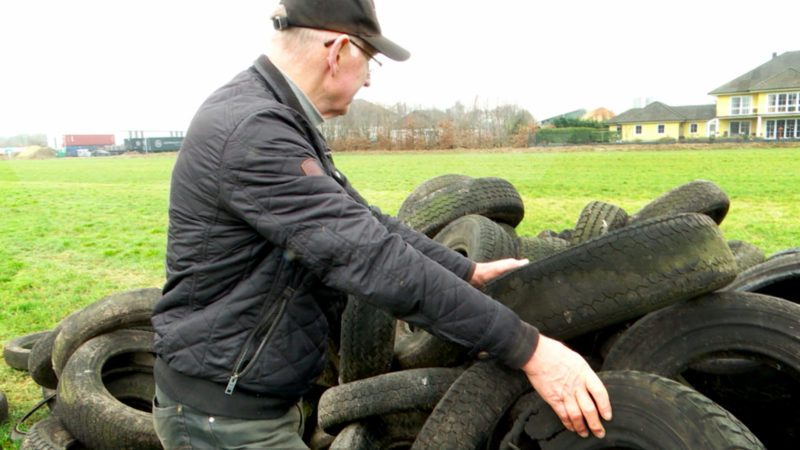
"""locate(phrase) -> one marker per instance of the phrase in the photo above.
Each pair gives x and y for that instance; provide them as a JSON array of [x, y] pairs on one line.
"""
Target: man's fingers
[[589, 412], [600, 395], [575, 416]]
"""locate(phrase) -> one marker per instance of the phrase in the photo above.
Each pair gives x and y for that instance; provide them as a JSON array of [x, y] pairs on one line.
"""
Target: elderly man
[[266, 235]]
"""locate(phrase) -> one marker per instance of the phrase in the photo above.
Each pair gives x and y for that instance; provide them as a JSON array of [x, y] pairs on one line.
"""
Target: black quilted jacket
[[264, 235]]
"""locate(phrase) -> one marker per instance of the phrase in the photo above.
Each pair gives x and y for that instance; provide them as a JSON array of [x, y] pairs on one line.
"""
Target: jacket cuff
[[522, 346]]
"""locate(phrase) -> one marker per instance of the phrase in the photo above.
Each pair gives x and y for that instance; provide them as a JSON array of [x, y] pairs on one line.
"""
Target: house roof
[[659, 112], [780, 72]]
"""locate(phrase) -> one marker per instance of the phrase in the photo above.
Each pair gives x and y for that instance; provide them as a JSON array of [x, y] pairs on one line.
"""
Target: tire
[[471, 407], [89, 411], [392, 392], [391, 431], [491, 197], [618, 276], [119, 310], [650, 413], [40, 362], [479, 239], [598, 218], [416, 348], [741, 326], [50, 434], [778, 276], [698, 196], [535, 248], [367, 341], [3, 407], [425, 189], [745, 254], [17, 351]]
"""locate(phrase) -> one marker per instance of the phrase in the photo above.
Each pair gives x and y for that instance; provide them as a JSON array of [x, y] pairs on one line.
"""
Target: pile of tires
[[696, 337], [96, 372]]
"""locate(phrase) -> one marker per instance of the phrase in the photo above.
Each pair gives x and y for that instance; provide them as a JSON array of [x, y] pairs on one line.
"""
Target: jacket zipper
[[238, 371]]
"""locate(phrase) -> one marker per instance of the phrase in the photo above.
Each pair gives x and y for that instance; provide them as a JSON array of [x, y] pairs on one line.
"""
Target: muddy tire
[[50, 434], [40, 362], [89, 411], [618, 276], [650, 413], [756, 337], [598, 218], [367, 341], [119, 310], [745, 254], [698, 196], [3, 407], [778, 276], [535, 248], [491, 197], [471, 407], [392, 392], [425, 189], [17, 351]]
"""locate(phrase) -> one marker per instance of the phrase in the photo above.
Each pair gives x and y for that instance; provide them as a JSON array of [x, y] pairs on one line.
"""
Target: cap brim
[[387, 47]]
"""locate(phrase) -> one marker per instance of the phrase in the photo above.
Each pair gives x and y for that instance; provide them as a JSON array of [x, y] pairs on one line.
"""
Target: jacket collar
[[280, 85]]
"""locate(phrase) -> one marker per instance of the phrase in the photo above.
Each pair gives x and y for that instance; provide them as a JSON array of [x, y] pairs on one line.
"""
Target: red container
[[72, 140]]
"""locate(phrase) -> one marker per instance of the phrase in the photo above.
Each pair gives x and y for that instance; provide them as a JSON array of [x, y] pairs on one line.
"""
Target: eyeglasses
[[370, 57]]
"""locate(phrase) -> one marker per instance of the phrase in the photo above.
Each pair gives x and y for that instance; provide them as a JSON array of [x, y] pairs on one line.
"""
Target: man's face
[[352, 74]]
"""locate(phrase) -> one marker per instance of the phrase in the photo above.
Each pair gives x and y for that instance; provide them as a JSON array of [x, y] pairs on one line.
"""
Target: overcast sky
[[85, 66]]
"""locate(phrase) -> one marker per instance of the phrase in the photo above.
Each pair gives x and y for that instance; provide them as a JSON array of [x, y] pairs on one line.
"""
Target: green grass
[[74, 230]]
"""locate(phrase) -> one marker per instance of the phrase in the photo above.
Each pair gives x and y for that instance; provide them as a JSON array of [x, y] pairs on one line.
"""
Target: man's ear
[[334, 53]]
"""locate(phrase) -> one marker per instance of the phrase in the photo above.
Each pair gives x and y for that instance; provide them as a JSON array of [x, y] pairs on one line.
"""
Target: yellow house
[[764, 102], [658, 121]]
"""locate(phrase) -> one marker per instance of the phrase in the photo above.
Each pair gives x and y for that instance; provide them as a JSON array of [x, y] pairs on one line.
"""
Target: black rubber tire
[[479, 238], [124, 309], [537, 247], [650, 413], [89, 411], [390, 431], [618, 276], [50, 434], [17, 351], [40, 362], [598, 218], [471, 407], [425, 189], [698, 196], [746, 254], [728, 324], [3, 407], [777, 276], [367, 341], [492, 197], [391, 392]]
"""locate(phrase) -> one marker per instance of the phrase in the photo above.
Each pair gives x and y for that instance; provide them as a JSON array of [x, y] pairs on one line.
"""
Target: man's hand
[[567, 383], [486, 271]]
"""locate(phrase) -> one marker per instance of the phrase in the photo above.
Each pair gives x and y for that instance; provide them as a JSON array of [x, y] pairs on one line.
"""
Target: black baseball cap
[[354, 17]]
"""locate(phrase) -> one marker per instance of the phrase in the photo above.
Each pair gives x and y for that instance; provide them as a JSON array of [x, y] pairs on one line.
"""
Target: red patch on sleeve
[[311, 167]]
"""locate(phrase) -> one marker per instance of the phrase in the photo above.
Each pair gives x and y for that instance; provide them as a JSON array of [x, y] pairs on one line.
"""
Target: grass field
[[74, 230]]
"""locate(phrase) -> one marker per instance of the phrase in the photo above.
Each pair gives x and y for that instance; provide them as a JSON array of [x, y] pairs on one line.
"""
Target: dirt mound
[[36, 152]]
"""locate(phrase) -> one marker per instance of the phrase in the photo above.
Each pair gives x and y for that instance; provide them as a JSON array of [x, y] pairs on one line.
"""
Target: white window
[[740, 105], [637, 130], [693, 128], [780, 103], [782, 129], [661, 128], [741, 128]]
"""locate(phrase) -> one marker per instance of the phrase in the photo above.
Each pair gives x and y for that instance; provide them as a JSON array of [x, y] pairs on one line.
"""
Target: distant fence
[[574, 135]]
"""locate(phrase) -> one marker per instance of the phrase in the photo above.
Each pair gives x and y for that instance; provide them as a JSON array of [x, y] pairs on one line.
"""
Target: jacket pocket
[[271, 319]]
